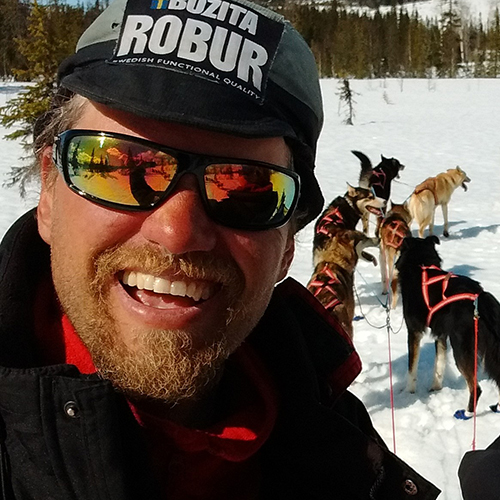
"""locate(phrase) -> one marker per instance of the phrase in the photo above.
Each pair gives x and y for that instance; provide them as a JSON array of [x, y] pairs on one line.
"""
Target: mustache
[[156, 261]]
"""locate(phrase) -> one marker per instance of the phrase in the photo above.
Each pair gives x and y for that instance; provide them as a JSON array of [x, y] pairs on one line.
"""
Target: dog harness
[[396, 234], [432, 275], [334, 216], [317, 286], [425, 186], [381, 178]]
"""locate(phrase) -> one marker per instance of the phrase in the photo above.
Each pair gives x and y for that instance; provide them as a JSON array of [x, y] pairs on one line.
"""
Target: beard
[[163, 364]]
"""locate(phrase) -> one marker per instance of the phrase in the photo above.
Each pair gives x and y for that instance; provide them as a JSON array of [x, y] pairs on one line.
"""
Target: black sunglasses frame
[[192, 163]]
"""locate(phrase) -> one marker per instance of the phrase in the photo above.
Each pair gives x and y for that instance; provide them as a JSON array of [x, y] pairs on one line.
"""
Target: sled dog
[[332, 282], [378, 179], [451, 306], [432, 192], [395, 227], [336, 249]]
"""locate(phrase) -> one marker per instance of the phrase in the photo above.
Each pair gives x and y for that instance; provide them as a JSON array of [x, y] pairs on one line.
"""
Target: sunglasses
[[128, 173]]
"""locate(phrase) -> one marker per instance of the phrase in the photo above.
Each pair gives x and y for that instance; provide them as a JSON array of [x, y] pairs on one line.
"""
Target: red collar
[[239, 435], [235, 438]]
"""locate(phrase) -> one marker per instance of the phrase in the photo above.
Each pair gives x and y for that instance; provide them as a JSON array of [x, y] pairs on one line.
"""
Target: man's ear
[[44, 209], [287, 259]]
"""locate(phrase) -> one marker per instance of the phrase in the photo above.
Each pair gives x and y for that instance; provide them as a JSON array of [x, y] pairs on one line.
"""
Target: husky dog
[[332, 282], [378, 179], [395, 227], [432, 192], [336, 249], [454, 307]]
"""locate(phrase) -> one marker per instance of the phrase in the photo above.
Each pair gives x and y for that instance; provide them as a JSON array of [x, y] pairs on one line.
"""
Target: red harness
[[438, 275], [381, 179], [334, 216], [317, 286], [425, 186], [396, 235]]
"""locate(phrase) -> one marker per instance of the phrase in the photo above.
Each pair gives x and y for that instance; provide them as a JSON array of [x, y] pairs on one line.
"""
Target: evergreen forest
[[346, 41]]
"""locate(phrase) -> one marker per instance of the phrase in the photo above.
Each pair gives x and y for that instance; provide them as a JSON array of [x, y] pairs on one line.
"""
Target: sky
[[430, 126]]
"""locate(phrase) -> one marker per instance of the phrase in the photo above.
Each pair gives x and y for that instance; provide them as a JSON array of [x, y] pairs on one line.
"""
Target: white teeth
[[191, 289], [196, 295], [149, 282], [132, 279], [162, 285], [159, 285], [178, 288], [140, 281]]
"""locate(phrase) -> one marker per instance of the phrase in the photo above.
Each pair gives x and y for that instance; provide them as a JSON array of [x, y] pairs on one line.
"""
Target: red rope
[[476, 329], [391, 387]]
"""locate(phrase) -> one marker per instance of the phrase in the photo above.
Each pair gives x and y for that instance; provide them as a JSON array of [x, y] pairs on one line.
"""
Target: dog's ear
[[351, 189], [406, 243], [433, 239], [383, 158]]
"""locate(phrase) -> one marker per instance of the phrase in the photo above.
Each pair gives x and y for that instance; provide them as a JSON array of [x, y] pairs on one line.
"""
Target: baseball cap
[[225, 65]]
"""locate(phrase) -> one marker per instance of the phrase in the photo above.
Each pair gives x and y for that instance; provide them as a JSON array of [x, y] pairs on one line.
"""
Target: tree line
[[34, 38], [398, 43]]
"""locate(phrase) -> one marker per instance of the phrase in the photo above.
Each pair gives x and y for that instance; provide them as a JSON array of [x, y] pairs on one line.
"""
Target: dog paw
[[463, 415], [495, 408], [446, 234]]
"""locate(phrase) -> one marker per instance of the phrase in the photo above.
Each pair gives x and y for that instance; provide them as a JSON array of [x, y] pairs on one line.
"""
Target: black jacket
[[478, 473], [68, 436]]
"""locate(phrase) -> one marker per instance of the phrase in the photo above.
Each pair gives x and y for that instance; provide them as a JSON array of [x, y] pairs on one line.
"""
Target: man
[[154, 358]]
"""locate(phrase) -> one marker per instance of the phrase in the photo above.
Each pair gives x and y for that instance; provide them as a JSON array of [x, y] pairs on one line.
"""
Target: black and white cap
[[223, 65]]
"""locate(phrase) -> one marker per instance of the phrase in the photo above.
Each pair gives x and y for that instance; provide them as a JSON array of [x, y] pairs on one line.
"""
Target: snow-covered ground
[[430, 126], [434, 9]]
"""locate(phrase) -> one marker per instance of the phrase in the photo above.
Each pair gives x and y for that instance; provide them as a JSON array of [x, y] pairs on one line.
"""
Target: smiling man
[[147, 351]]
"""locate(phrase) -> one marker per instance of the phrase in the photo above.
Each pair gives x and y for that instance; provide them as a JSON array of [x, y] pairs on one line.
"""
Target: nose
[[181, 223]]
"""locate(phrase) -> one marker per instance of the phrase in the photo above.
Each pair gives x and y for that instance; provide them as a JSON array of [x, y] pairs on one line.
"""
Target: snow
[[433, 9], [430, 126]]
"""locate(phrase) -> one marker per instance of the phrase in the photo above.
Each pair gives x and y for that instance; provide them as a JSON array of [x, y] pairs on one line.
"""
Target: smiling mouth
[[155, 291]]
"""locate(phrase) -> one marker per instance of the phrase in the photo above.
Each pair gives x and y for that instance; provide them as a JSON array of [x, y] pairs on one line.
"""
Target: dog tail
[[366, 169], [489, 334]]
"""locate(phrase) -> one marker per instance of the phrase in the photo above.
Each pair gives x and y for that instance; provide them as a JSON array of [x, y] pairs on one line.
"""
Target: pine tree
[[494, 46], [52, 32], [347, 100], [451, 40], [13, 14]]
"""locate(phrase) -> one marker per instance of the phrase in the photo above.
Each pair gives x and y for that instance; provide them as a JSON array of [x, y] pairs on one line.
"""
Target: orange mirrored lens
[[249, 192], [119, 171]]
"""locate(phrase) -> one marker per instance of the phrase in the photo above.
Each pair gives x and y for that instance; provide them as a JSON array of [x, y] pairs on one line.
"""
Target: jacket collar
[[303, 341]]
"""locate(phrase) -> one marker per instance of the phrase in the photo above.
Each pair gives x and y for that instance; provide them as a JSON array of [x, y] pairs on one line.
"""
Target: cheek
[[259, 256], [83, 227]]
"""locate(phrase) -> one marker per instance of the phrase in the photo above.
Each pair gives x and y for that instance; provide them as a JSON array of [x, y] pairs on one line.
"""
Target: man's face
[[163, 345]]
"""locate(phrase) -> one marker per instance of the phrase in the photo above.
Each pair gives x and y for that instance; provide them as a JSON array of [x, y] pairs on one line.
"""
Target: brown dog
[[332, 282], [432, 192], [394, 228]]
